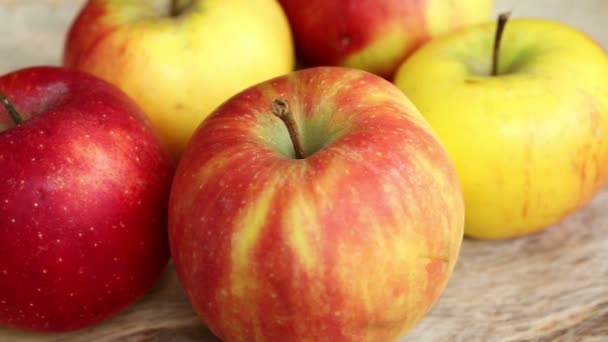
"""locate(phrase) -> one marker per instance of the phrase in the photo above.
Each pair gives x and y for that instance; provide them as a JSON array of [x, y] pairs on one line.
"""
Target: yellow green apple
[[180, 59], [530, 140], [375, 35]]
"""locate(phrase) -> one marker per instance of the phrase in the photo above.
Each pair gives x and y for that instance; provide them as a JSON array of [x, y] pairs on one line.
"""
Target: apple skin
[[353, 243], [531, 145], [375, 35], [180, 69], [84, 188]]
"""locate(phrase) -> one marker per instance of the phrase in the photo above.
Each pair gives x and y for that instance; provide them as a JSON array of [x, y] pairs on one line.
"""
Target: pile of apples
[[321, 204]]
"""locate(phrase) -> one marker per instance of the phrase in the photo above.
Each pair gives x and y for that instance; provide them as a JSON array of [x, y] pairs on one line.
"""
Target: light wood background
[[552, 286]]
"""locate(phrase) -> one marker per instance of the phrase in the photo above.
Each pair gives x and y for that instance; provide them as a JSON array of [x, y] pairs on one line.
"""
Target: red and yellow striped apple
[[342, 223], [84, 186], [180, 59], [375, 35]]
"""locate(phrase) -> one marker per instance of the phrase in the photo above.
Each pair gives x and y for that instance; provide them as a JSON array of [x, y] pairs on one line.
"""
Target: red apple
[[351, 239], [84, 184], [375, 35]]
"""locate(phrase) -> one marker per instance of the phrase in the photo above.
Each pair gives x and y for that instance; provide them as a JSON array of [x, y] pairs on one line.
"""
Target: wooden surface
[[552, 286]]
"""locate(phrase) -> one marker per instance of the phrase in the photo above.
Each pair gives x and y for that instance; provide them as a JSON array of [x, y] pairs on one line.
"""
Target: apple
[[347, 231], [375, 35], [84, 188], [180, 59], [528, 133]]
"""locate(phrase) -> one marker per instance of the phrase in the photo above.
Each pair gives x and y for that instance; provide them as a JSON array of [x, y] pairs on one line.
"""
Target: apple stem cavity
[[280, 109], [500, 27], [10, 109]]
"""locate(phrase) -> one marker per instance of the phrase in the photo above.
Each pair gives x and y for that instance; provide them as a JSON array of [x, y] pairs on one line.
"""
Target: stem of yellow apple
[[280, 108], [174, 10], [10, 109], [180, 6], [500, 27]]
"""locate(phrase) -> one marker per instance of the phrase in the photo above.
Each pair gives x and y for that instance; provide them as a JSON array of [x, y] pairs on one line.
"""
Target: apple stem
[[174, 11], [10, 109], [502, 22], [280, 108], [178, 7]]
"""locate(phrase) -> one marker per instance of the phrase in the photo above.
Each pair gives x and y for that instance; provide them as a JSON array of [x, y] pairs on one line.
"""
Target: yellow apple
[[529, 143], [181, 59]]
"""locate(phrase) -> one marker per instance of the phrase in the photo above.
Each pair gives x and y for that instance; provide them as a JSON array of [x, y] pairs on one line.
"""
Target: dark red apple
[[84, 184]]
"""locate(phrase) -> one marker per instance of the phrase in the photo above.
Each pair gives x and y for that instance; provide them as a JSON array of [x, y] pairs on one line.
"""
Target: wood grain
[[551, 286]]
